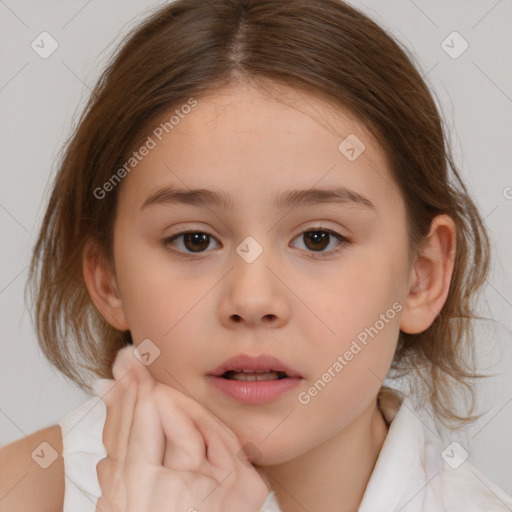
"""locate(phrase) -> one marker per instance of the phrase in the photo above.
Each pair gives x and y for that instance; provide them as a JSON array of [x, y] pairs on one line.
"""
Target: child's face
[[205, 308]]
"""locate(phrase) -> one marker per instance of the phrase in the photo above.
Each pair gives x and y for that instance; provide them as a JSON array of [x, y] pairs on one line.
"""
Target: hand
[[166, 453]]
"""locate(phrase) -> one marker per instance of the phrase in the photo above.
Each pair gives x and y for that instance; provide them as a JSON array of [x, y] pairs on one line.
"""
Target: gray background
[[40, 97]]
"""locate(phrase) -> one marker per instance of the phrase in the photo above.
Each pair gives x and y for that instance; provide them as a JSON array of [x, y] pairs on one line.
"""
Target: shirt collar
[[400, 463], [401, 457]]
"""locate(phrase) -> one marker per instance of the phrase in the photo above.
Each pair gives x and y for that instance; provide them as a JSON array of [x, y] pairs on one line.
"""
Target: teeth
[[253, 376], [253, 371]]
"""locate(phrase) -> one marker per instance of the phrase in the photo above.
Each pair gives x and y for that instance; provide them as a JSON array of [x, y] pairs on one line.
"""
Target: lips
[[259, 364], [254, 380]]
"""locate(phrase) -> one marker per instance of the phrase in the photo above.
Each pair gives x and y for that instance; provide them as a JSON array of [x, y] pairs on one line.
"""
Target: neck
[[333, 476]]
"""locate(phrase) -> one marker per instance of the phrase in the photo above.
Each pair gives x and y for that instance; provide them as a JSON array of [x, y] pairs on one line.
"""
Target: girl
[[256, 222]]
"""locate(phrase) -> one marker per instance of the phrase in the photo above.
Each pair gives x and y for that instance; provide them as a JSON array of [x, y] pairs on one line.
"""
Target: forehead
[[254, 143]]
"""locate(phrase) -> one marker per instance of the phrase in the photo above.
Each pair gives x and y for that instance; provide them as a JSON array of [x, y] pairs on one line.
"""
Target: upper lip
[[255, 363]]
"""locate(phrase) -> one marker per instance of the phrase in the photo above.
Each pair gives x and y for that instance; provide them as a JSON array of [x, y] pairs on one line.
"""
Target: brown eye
[[317, 240], [196, 241], [192, 242]]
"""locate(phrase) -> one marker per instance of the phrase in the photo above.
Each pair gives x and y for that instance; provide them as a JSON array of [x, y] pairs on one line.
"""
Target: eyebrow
[[221, 199]]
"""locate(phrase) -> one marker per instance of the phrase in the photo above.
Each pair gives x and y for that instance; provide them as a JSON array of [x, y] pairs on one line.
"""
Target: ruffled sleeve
[[82, 431]]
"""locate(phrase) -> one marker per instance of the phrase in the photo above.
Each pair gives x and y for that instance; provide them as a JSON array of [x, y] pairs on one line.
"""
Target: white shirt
[[410, 474]]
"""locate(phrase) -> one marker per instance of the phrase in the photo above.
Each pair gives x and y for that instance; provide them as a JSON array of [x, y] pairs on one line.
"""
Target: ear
[[430, 277], [101, 283]]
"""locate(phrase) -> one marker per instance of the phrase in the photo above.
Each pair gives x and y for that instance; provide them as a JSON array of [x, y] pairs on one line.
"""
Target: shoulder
[[439, 476], [32, 473], [462, 486]]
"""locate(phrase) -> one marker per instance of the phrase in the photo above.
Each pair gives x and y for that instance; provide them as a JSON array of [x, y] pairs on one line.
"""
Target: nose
[[254, 295]]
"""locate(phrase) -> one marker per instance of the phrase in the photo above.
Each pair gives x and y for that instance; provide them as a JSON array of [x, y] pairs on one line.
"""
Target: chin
[[268, 452]]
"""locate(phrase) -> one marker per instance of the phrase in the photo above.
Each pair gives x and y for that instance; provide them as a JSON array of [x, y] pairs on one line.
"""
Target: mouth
[[254, 368], [254, 380], [247, 375]]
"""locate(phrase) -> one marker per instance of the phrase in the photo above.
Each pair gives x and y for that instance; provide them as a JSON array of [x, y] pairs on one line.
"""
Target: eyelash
[[314, 255]]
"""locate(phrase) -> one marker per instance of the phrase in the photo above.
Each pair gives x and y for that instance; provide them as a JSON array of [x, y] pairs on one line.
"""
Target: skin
[[201, 310]]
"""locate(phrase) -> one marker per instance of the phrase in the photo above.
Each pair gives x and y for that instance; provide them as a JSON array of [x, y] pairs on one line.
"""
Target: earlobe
[[102, 286], [430, 277]]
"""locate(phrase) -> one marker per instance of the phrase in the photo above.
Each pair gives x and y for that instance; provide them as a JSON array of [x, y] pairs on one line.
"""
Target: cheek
[[350, 367], [352, 297], [356, 317], [165, 309], [149, 313]]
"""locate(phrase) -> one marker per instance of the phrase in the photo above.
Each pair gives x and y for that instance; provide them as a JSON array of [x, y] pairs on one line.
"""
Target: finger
[[102, 505], [146, 440], [128, 364], [191, 432], [120, 404], [224, 450], [194, 437], [182, 443], [208, 423], [184, 446]]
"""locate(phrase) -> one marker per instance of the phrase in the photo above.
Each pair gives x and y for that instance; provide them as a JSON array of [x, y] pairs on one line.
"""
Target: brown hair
[[192, 47]]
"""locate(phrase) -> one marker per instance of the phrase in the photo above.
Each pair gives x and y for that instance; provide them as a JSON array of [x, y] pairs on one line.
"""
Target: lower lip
[[254, 392]]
